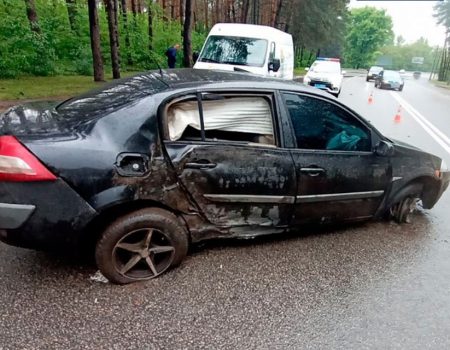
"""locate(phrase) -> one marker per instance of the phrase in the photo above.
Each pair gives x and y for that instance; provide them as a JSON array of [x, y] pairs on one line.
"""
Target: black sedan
[[389, 79], [149, 164], [373, 72]]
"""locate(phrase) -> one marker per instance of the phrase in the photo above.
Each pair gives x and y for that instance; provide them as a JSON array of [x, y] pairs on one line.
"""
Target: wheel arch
[[109, 214], [426, 187]]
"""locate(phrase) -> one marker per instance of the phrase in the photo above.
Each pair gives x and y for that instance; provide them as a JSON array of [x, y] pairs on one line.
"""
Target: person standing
[[171, 54]]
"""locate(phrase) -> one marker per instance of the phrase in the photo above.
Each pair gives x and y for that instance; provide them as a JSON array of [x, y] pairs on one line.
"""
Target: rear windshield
[[391, 75], [111, 96]]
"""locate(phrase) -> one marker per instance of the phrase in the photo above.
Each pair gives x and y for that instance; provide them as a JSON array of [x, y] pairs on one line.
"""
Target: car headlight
[[444, 166]]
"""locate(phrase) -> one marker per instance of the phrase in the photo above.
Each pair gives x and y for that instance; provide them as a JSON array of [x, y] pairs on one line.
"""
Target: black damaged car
[[149, 164]]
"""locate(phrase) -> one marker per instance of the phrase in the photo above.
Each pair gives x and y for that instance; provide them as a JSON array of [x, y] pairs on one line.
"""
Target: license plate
[[320, 86]]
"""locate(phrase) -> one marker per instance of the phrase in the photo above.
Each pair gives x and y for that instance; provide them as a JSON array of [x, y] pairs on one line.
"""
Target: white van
[[249, 48]]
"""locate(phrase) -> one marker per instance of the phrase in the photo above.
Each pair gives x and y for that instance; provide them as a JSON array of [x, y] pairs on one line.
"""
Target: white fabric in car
[[240, 114]]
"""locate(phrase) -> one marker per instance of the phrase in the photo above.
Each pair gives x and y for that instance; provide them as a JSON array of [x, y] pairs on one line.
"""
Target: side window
[[321, 125], [225, 118]]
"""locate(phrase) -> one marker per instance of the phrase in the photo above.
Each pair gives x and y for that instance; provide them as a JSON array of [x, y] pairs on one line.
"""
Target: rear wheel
[[141, 246]]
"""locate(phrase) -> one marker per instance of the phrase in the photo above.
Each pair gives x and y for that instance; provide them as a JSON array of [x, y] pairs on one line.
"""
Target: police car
[[325, 74]]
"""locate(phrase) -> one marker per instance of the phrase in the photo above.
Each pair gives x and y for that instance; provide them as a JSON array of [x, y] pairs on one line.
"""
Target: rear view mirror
[[384, 149], [275, 64]]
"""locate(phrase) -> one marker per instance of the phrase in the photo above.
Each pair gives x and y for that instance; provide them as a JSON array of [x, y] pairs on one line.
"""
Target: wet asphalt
[[377, 285]]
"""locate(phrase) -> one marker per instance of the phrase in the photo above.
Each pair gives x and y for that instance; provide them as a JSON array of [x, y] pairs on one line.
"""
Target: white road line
[[434, 132]]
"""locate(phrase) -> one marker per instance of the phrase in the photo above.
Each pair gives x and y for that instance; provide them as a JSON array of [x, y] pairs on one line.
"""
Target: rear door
[[230, 160], [339, 177]]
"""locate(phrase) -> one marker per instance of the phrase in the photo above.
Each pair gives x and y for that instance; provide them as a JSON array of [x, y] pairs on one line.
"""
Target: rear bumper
[[42, 215], [13, 216]]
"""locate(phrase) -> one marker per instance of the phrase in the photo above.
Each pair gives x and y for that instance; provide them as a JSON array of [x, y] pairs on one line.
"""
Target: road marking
[[432, 130]]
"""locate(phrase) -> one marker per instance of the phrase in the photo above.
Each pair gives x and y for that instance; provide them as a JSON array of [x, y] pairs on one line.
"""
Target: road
[[373, 286]]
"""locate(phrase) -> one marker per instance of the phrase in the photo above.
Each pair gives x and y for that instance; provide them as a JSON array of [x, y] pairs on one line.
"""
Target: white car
[[325, 74]]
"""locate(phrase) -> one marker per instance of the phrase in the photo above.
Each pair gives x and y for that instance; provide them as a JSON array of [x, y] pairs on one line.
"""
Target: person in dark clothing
[[171, 54]]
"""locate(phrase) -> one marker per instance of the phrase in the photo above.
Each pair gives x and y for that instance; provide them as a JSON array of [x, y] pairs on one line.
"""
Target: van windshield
[[234, 50]]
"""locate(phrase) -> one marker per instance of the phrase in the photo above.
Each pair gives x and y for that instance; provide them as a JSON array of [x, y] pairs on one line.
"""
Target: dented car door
[[230, 161]]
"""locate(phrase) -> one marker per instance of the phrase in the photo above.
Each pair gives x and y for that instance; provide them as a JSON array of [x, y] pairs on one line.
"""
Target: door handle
[[202, 165], [312, 171]]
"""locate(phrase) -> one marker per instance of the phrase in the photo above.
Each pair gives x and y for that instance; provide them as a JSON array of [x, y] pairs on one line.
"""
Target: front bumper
[[324, 85], [42, 215]]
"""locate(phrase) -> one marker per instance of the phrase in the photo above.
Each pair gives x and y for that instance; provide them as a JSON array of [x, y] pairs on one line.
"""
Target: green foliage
[[402, 54], [368, 30], [442, 13], [59, 50]]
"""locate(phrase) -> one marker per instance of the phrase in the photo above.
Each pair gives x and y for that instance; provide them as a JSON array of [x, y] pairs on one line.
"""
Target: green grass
[[299, 71], [29, 87]]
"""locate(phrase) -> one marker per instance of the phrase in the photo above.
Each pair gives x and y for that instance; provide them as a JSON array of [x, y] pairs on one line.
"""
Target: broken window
[[244, 119]]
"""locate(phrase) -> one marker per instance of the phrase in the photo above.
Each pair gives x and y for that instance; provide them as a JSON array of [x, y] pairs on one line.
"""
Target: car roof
[[199, 78]]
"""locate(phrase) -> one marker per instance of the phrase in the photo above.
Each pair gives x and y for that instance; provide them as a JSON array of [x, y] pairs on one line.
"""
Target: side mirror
[[275, 64], [384, 149]]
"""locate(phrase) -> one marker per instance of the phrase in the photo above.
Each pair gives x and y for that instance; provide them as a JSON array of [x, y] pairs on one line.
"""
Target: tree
[[95, 41], [111, 11], [187, 34], [72, 12], [368, 30], [442, 13], [124, 11], [32, 16]]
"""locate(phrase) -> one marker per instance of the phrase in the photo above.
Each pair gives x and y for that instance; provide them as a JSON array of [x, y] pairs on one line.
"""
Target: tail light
[[19, 164]]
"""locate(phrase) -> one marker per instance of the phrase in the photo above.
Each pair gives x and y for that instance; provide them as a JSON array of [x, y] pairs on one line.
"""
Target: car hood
[[406, 149]]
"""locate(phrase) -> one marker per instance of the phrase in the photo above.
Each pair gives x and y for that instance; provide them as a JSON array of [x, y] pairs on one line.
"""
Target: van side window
[[322, 125], [233, 118]]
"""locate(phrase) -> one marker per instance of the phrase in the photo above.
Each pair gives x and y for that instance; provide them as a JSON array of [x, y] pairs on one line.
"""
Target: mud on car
[[149, 164]]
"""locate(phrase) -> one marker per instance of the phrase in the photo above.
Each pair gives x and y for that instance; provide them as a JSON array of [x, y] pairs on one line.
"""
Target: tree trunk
[[134, 8], [95, 41], [276, 22], [181, 12], [187, 34], [126, 30], [72, 13], [150, 27], [32, 16], [111, 11], [244, 14], [206, 15]]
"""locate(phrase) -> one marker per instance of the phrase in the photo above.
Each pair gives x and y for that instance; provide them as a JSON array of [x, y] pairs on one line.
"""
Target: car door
[[339, 177], [225, 150]]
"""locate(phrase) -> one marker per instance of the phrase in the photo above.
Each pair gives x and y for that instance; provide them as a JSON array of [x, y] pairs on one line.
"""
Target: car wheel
[[367, 79], [141, 245], [402, 212], [400, 88]]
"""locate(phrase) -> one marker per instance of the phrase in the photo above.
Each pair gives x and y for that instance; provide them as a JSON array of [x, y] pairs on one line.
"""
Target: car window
[[322, 125], [230, 118]]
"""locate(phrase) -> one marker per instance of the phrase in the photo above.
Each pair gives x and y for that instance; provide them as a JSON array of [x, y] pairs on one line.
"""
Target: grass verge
[[28, 87]]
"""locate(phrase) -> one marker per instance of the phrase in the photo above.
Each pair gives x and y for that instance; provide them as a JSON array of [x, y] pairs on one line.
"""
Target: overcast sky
[[412, 19]]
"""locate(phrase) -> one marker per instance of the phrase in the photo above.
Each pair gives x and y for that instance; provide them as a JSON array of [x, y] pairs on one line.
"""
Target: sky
[[411, 19]]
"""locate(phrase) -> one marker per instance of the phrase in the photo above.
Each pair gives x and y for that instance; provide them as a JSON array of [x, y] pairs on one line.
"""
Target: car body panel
[[118, 159]]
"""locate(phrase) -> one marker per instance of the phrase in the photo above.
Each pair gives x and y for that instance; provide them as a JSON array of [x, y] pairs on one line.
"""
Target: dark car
[[389, 79], [152, 163], [373, 72]]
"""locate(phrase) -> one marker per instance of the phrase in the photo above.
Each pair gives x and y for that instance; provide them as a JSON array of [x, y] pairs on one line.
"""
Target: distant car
[[325, 74], [149, 164], [373, 72], [389, 79], [417, 75], [402, 71]]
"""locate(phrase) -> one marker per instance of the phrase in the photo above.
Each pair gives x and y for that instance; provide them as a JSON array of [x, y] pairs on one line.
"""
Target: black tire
[[400, 88], [130, 241], [367, 79]]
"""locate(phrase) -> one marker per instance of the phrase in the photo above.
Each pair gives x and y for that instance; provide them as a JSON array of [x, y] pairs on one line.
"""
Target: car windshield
[[326, 67], [375, 70], [391, 75], [234, 50]]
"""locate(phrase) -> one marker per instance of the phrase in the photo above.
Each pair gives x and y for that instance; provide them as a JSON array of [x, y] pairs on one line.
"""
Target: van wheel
[[402, 212], [141, 245]]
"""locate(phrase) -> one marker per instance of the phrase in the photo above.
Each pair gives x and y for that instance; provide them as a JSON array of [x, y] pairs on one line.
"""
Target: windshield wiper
[[205, 59], [236, 63]]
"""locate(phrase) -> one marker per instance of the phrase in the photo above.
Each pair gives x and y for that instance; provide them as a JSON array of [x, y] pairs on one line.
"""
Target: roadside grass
[[30, 87], [441, 84], [299, 71]]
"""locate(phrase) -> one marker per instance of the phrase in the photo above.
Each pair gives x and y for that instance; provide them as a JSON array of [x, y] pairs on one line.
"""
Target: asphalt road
[[373, 286]]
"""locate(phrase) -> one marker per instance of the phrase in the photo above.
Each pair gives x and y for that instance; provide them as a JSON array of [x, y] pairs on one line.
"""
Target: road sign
[[417, 60]]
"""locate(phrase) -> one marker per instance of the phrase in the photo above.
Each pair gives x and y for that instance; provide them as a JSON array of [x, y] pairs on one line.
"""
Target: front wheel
[[402, 212], [141, 245]]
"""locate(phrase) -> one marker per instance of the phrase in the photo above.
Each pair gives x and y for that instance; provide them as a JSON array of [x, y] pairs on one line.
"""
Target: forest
[[95, 37]]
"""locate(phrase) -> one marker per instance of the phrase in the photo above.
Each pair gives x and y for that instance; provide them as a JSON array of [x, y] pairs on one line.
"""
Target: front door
[[230, 162], [339, 177]]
